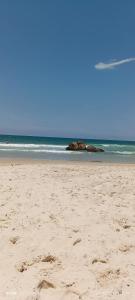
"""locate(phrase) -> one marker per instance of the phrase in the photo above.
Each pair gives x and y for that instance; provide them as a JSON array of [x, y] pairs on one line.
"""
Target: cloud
[[113, 64]]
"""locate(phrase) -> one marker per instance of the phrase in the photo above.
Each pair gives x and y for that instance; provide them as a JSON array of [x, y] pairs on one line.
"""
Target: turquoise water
[[54, 148]]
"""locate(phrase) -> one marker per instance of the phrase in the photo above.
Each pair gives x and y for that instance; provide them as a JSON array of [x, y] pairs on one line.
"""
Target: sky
[[67, 68]]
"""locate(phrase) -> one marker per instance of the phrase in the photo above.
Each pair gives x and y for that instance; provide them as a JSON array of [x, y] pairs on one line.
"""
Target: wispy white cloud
[[113, 64]]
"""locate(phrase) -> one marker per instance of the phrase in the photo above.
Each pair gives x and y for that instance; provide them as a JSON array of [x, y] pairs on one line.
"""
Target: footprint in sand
[[48, 290], [44, 284], [109, 275], [125, 248], [14, 239], [123, 223], [42, 258]]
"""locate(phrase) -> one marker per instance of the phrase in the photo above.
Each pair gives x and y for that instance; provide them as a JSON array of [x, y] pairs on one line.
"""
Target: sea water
[[54, 148]]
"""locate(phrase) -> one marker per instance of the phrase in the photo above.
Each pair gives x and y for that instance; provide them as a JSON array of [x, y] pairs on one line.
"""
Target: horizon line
[[62, 137]]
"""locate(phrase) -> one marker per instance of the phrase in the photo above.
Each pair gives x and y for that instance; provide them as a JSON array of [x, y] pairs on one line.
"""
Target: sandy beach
[[67, 231]]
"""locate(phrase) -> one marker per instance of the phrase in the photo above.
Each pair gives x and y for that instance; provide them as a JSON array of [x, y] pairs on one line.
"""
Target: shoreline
[[28, 161]]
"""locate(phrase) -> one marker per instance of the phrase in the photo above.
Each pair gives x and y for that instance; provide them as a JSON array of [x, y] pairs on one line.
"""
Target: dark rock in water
[[80, 146], [76, 146], [72, 146], [100, 150], [92, 148]]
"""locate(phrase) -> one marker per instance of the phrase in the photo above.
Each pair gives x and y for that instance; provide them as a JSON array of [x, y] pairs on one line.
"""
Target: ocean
[[52, 148]]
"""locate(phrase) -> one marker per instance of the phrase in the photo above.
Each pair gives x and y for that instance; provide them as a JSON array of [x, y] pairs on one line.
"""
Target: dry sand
[[67, 231]]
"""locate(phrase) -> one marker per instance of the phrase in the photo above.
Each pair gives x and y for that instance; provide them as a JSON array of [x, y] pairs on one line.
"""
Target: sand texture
[[67, 231]]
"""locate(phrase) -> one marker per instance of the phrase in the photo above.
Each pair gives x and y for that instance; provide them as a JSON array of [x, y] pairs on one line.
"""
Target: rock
[[80, 146], [72, 146], [92, 148], [76, 146], [100, 150]]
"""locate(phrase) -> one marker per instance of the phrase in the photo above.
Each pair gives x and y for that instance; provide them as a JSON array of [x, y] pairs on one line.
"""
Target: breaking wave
[[41, 151], [124, 152], [7, 145]]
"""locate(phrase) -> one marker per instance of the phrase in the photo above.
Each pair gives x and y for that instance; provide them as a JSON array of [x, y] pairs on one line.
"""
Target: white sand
[[67, 231]]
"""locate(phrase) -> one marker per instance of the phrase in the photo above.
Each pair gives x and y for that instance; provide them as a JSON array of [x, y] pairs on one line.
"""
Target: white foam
[[31, 145], [41, 151], [105, 145], [124, 152], [57, 151], [118, 145]]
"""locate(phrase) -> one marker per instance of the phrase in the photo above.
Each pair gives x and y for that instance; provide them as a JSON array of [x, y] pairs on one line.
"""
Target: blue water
[[54, 149]]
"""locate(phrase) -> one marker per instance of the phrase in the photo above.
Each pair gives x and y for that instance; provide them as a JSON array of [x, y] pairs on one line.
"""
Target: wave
[[124, 152], [41, 151], [60, 149], [117, 145], [31, 145], [105, 145]]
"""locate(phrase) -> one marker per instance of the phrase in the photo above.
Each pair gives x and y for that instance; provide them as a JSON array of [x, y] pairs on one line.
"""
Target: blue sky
[[52, 81]]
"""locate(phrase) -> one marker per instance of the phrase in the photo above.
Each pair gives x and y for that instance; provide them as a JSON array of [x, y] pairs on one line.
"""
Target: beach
[[67, 230]]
